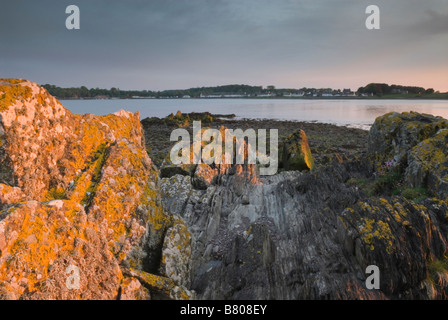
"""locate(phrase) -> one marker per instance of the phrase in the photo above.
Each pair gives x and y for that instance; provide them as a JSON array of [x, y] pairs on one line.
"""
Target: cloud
[[162, 44], [435, 23]]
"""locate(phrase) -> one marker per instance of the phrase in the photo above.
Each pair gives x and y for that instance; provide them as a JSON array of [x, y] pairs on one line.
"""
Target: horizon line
[[263, 87]]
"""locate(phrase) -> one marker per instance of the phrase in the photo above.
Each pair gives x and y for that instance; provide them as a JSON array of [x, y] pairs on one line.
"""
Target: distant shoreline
[[272, 98], [371, 91]]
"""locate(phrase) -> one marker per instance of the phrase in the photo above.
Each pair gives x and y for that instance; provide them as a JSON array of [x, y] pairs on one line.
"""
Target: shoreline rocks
[[311, 235]]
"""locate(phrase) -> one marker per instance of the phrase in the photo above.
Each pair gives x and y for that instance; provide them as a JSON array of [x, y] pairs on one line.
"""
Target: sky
[[180, 44]]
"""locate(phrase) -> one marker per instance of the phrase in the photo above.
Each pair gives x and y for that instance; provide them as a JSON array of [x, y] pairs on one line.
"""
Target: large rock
[[275, 239], [428, 165], [310, 235], [394, 134], [296, 153], [35, 130], [76, 190], [418, 143], [398, 236]]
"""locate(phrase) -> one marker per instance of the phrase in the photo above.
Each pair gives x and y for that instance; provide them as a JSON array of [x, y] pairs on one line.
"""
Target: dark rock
[[171, 170], [311, 234], [398, 236], [282, 245]]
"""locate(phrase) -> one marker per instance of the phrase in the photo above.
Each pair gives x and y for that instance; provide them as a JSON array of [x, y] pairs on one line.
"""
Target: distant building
[[210, 96], [235, 95]]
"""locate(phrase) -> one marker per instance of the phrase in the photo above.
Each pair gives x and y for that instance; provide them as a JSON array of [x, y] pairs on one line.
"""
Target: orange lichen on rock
[[34, 138], [40, 240], [74, 191], [164, 286], [10, 194], [118, 194], [132, 289], [12, 91], [306, 150]]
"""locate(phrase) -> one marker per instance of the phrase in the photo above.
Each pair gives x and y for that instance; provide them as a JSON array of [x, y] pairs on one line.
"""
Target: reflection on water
[[354, 113]]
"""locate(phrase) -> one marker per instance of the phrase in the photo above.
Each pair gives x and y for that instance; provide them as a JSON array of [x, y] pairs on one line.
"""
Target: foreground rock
[[403, 239], [77, 192], [274, 240]]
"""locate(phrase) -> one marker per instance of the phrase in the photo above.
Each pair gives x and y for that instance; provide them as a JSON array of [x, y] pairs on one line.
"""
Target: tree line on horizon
[[377, 89], [380, 89]]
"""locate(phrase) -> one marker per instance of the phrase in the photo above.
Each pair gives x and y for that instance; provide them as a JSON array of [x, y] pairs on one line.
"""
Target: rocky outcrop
[[77, 192], [312, 234], [394, 134], [39, 241], [418, 143], [279, 244]]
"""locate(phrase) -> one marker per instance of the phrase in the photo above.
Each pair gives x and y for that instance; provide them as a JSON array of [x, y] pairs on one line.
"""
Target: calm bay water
[[353, 113]]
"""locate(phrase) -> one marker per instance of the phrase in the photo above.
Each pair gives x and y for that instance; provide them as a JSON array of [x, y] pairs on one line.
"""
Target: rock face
[[280, 244], [311, 234], [428, 165], [76, 192], [399, 236]]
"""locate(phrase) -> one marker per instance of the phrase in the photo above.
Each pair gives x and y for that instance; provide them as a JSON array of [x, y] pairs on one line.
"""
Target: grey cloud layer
[[179, 43]]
